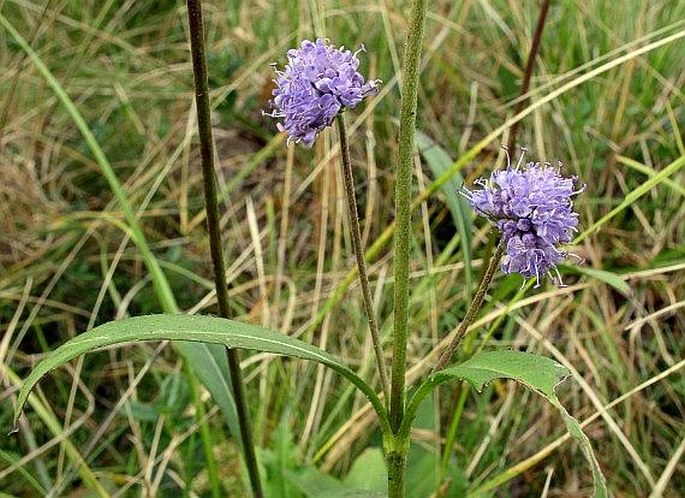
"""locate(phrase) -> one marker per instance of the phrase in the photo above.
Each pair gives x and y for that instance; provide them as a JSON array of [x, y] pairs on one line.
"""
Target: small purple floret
[[533, 208], [318, 82]]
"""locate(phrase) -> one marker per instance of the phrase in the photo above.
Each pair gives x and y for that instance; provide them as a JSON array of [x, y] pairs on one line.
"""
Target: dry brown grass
[[66, 265]]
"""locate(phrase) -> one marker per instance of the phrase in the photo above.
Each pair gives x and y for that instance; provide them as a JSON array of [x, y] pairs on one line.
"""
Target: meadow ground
[[606, 98]]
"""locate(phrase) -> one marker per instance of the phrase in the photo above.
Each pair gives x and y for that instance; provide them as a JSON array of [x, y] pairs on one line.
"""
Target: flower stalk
[[348, 180], [474, 308], [197, 45]]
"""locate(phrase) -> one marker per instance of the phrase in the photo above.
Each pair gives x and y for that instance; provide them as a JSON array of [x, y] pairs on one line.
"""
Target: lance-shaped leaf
[[537, 373], [205, 329]]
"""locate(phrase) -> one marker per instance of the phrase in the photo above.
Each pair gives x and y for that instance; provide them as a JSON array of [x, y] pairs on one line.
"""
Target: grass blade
[[439, 161], [633, 196]]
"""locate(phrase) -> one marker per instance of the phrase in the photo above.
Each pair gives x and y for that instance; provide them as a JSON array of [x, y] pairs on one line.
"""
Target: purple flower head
[[533, 208], [317, 83]]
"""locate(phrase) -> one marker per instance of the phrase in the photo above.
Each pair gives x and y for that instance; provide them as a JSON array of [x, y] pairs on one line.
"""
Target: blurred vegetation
[[132, 413]]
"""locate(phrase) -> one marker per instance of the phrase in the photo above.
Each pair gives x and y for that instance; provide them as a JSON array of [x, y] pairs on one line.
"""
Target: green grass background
[[129, 417]]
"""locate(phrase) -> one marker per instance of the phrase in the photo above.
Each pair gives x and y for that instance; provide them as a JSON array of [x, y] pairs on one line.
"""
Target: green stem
[[410, 83], [474, 308], [359, 251], [397, 468], [197, 46]]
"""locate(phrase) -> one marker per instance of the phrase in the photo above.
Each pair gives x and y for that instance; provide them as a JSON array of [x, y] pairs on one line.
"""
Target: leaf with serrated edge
[[204, 329], [537, 373]]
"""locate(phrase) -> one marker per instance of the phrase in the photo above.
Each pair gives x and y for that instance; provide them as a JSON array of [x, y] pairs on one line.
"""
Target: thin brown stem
[[359, 252], [475, 306], [197, 45], [529, 68]]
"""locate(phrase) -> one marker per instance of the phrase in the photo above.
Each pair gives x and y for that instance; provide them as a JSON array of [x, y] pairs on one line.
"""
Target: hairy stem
[[197, 45], [359, 252], [397, 468], [410, 83], [474, 308]]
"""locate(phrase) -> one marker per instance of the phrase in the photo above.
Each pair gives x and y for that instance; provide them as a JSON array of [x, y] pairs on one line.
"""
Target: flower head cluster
[[533, 208], [318, 82]]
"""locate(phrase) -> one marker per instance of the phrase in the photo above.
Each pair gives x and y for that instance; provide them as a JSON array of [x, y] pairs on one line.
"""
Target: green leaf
[[439, 162], [280, 457], [423, 475], [286, 477], [537, 373], [314, 484], [174, 397], [368, 472], [186, 328], [208, 363]]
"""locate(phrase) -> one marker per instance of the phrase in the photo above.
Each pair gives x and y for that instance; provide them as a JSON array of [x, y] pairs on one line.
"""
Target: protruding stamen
[[579, 260], [558, 280], [523, 154]]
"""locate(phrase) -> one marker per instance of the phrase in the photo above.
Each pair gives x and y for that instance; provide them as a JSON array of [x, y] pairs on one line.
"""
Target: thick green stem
[[197, 45], [397, 468], [403, 173], [396, 449], [359, 252], [474, 308]]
